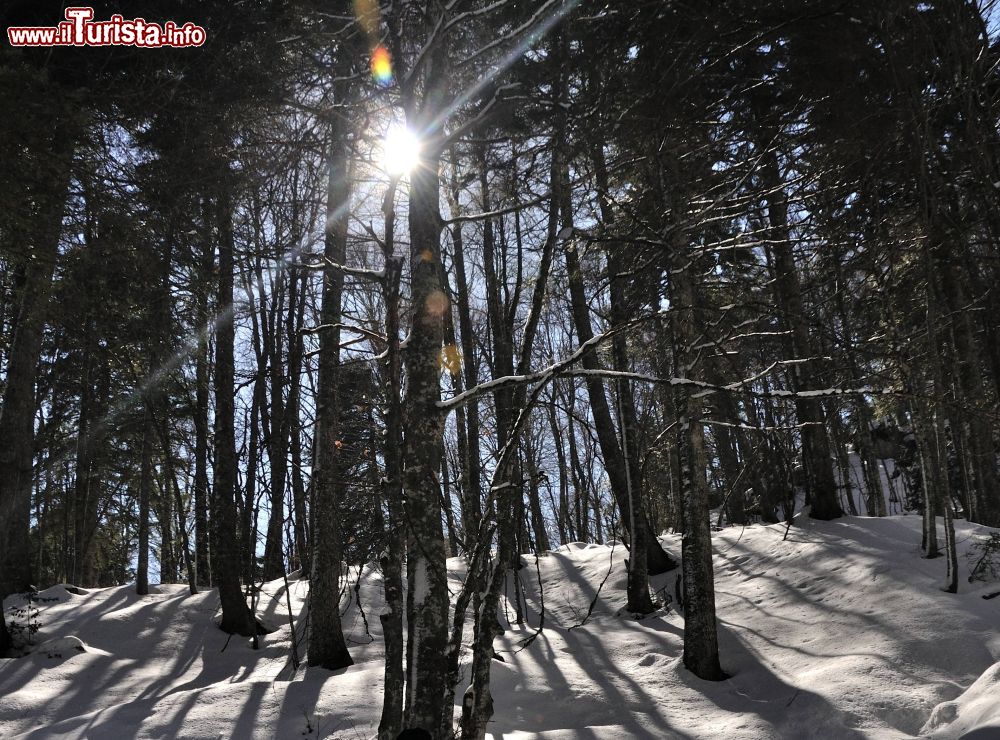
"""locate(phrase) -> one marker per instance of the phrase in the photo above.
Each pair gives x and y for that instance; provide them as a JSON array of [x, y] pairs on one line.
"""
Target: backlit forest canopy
[[395, 282]]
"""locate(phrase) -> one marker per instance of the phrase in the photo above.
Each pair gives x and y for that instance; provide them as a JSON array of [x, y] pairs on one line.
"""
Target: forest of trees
[[656, 266]]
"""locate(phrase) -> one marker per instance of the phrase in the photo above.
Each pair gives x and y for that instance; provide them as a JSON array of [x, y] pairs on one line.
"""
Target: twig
[[593, 603]]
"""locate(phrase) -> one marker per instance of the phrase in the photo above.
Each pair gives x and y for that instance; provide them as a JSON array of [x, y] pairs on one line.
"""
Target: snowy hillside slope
[[838, 631]]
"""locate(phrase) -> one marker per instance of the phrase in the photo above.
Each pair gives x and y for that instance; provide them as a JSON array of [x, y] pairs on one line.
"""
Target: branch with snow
[[563, 368], [358, 272]]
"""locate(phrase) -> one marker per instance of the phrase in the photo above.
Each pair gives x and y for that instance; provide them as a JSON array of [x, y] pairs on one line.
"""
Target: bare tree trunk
[[639, 600], [580, 492], [172, 482], [732, 491], [873, 482], [17, 413], [839, 439], [391, 722], [86, 487], [246, 504], [821, 488], [427, 586], [641, 535], [236, 617], [701, 642], [975, 426], [541, 537], [951, 553], [296, 350], [165, 515], [471, 466], [567, 531], [201, 441], [145, 493], [277, 444], [327, 647]]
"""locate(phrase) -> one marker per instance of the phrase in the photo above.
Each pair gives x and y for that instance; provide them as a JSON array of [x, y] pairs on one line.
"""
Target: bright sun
[[400, 150]]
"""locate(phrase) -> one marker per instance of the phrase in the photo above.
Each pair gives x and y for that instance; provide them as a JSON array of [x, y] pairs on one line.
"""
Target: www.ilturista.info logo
[[79, 29]]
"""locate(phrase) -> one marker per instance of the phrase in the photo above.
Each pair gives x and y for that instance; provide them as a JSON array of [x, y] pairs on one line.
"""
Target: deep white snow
[[839, 630]]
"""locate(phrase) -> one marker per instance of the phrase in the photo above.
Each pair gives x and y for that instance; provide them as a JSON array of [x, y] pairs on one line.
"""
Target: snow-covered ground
[[839, 630]]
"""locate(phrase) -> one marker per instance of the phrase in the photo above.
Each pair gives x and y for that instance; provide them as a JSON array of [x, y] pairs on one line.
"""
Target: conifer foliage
[[394, 282]]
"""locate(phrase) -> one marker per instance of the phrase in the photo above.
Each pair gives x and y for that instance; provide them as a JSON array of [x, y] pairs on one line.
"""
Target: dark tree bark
[[276, 436], [327, 647], [975, 426], [639, 600], [18, 411], [541, 537], [201, 443], [470, 438], [174, 486], [567, 530], [145, 494], [614, 462], [427, 588], [91, 436], [165, 515], [296, 350], [701, 641], [821, 488], [236, 617], [391, 721]]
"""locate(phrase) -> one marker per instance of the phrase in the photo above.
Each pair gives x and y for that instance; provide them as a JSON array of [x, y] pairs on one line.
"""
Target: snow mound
[[58, 594], [61, 591], [65, 647], [829, 631], [974, 714]]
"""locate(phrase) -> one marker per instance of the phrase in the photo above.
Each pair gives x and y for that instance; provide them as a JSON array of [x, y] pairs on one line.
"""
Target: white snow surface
[[839, 630]]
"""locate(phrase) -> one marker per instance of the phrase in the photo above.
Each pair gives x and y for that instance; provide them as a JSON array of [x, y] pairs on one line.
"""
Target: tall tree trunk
[[296, 350], [701, 642], [201, 441], [173, 484], [247, 503], [973, 424], [951, 553], [236, 616], [157, 402], [821, 488], [168, 554], [86, 487], [391, 721], [541, 537], [639, 600], [145, 494], [567, 530], [277, 447], [471, 466], [873, 483], [642, 536], [427, 587], [327, 647], [17, 414], [581, 493]]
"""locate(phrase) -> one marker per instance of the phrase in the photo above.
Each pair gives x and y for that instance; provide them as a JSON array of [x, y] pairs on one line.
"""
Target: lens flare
[[382, 66]]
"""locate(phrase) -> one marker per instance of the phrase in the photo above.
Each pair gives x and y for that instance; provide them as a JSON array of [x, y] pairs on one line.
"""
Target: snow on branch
[[497, 213], [345, 327], [540, 376], [563, 368], [358, 272]]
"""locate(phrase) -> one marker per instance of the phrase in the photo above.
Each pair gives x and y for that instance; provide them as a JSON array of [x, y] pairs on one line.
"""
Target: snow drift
[[839, 630]]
